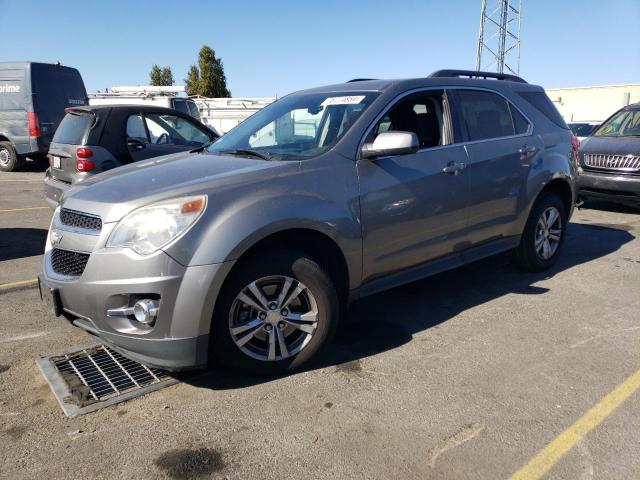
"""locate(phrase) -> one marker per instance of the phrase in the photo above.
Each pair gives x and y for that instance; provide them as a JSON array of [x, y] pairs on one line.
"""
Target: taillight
[[575, 146], [84, 152], [34, 124], [84, 165]]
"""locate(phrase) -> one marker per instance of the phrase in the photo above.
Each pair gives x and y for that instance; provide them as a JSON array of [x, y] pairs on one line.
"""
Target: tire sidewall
[[545, 201], [13, 159], [292, 264]]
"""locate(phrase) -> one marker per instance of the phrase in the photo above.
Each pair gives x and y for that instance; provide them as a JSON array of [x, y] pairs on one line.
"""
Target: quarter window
[[520, 123]]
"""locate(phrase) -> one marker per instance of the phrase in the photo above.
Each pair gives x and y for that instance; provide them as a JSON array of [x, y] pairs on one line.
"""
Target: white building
[[584, 104]]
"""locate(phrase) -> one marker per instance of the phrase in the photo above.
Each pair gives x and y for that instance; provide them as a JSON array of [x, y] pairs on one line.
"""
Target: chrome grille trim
[[619, 163], [80, 220]]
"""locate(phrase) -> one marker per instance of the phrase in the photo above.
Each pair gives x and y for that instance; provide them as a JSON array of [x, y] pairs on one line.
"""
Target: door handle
[[527, 150], [453, 168]]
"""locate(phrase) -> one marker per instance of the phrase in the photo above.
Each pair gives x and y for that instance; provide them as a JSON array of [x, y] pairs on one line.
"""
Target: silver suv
[[247, 250]]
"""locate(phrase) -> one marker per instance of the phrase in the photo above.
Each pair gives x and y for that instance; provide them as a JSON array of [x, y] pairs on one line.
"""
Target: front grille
[[80, 220], [619, 163], [66, 262]]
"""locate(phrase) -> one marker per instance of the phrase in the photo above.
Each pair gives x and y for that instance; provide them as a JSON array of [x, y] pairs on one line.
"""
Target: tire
[[8, 159], [270, 272], [530, 254]]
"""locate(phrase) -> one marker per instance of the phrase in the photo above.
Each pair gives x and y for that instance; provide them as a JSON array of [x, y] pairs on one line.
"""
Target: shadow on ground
[[21, 242], [388, 320]]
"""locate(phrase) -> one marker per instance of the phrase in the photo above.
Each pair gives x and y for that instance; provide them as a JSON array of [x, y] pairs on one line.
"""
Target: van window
[[195, 113], [181, 106], [73, 128], [484, 115]]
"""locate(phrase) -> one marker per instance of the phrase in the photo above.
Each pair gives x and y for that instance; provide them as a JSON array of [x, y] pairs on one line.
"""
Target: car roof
[[138, 107], [366, 85]]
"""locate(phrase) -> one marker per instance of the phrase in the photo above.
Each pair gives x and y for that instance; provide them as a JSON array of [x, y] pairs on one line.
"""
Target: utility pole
[[499, 36]]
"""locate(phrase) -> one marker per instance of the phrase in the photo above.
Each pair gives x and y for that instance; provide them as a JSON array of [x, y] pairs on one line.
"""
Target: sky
[[271, 48]]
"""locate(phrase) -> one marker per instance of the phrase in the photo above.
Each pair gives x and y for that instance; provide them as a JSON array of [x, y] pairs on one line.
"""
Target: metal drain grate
[[95, 377]]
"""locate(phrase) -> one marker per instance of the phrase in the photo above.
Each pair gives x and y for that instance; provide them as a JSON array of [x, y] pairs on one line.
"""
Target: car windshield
[[625, 123], [582, 129], [296, 127]]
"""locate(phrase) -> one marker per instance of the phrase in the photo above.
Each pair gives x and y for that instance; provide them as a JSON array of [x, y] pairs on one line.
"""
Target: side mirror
[[135, 144], [391, 143]]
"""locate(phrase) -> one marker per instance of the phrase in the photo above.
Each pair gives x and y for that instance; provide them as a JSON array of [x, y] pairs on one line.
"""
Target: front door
[[413, 207]]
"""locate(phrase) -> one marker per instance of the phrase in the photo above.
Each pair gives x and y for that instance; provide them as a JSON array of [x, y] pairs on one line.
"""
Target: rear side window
[[544, 105], [484, 115], [73, 128], [135, 128]]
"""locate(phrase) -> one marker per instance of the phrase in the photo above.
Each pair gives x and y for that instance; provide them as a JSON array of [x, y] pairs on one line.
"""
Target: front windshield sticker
[[349, 100]]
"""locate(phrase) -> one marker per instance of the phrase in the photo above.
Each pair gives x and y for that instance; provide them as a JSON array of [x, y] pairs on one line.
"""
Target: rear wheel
[[544, 234], [275, 314], [8, 158]]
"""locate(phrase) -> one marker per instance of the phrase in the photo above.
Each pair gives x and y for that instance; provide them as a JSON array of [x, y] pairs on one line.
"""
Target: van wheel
[[8, 158], [544, 234], [275, 314]]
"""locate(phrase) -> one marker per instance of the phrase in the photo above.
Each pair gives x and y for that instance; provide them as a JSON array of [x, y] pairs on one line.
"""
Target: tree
[[192, 81], [212, 81], [161, 76], [167, 77]]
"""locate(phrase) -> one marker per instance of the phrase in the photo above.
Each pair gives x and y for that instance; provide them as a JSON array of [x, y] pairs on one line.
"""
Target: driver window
[[173, 130], [420, 113]]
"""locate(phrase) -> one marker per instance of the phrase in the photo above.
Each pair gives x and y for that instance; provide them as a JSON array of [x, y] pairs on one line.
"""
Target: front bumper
[[609, 186], [54, 190], [114, 278]]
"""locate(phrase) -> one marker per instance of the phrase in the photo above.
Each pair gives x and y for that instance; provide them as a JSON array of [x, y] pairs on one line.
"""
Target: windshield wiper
[[247, 151]]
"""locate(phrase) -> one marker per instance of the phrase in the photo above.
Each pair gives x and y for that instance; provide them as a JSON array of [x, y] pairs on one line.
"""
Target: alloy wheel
[[548, 233], [4, 157], [273, 318]]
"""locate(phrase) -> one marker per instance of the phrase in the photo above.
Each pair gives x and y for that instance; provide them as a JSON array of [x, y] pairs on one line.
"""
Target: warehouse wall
[[593, 103]]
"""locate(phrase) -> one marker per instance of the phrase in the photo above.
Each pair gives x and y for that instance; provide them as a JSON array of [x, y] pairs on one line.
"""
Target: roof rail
[[360, 80], [477, 74]]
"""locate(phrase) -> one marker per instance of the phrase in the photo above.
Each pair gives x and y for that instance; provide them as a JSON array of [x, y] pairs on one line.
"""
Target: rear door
[[15, 101], [71, 133], [501, 149]]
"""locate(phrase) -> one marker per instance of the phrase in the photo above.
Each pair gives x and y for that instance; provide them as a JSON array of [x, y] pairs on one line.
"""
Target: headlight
[[151, 227]]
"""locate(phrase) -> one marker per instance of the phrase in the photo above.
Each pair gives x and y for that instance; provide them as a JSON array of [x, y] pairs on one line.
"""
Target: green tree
[[167, 77], [212, 81], [192, 81], [161, 77]]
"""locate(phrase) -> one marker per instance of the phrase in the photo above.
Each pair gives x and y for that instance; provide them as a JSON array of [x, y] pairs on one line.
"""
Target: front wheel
[[544, 234], [275, 314]]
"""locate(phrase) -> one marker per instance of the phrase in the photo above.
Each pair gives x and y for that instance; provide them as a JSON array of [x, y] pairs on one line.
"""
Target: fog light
[[145, 311]]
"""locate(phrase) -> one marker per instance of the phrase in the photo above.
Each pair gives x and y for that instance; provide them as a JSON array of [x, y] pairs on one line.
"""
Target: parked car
[[33, 97], [583, 129], [249, 249], [610, 159], [147, 95], [95, 139]]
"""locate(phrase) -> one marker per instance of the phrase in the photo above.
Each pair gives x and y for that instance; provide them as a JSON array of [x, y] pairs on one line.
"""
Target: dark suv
[[249, 249], [610, 159], [95, 139]]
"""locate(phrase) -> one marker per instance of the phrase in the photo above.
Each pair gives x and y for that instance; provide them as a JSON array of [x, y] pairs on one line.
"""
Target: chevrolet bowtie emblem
[[56, 237]]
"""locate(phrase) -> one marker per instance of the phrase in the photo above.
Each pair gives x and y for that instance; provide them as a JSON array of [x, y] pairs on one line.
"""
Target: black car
[[33, 98], [93, 139], [610, 159]]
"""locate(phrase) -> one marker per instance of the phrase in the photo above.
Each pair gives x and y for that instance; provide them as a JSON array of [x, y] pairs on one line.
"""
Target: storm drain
[[95, 377]]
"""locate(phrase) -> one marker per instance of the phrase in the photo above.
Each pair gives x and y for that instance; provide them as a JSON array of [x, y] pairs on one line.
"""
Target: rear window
[[544, 105], [73, 128]]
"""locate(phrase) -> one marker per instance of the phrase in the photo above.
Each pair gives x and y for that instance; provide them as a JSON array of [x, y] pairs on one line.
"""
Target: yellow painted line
[[21, 283], [547, 457], [21, 209]]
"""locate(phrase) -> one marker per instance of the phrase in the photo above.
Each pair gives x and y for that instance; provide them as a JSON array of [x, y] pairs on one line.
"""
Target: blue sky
[[275, 47]]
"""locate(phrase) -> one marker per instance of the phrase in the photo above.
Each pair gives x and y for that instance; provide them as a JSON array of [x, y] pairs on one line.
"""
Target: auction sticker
[[349, 100]]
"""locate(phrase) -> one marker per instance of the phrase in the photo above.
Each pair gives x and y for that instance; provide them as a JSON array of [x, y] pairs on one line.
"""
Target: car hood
[[115, 193], [611, 145]]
